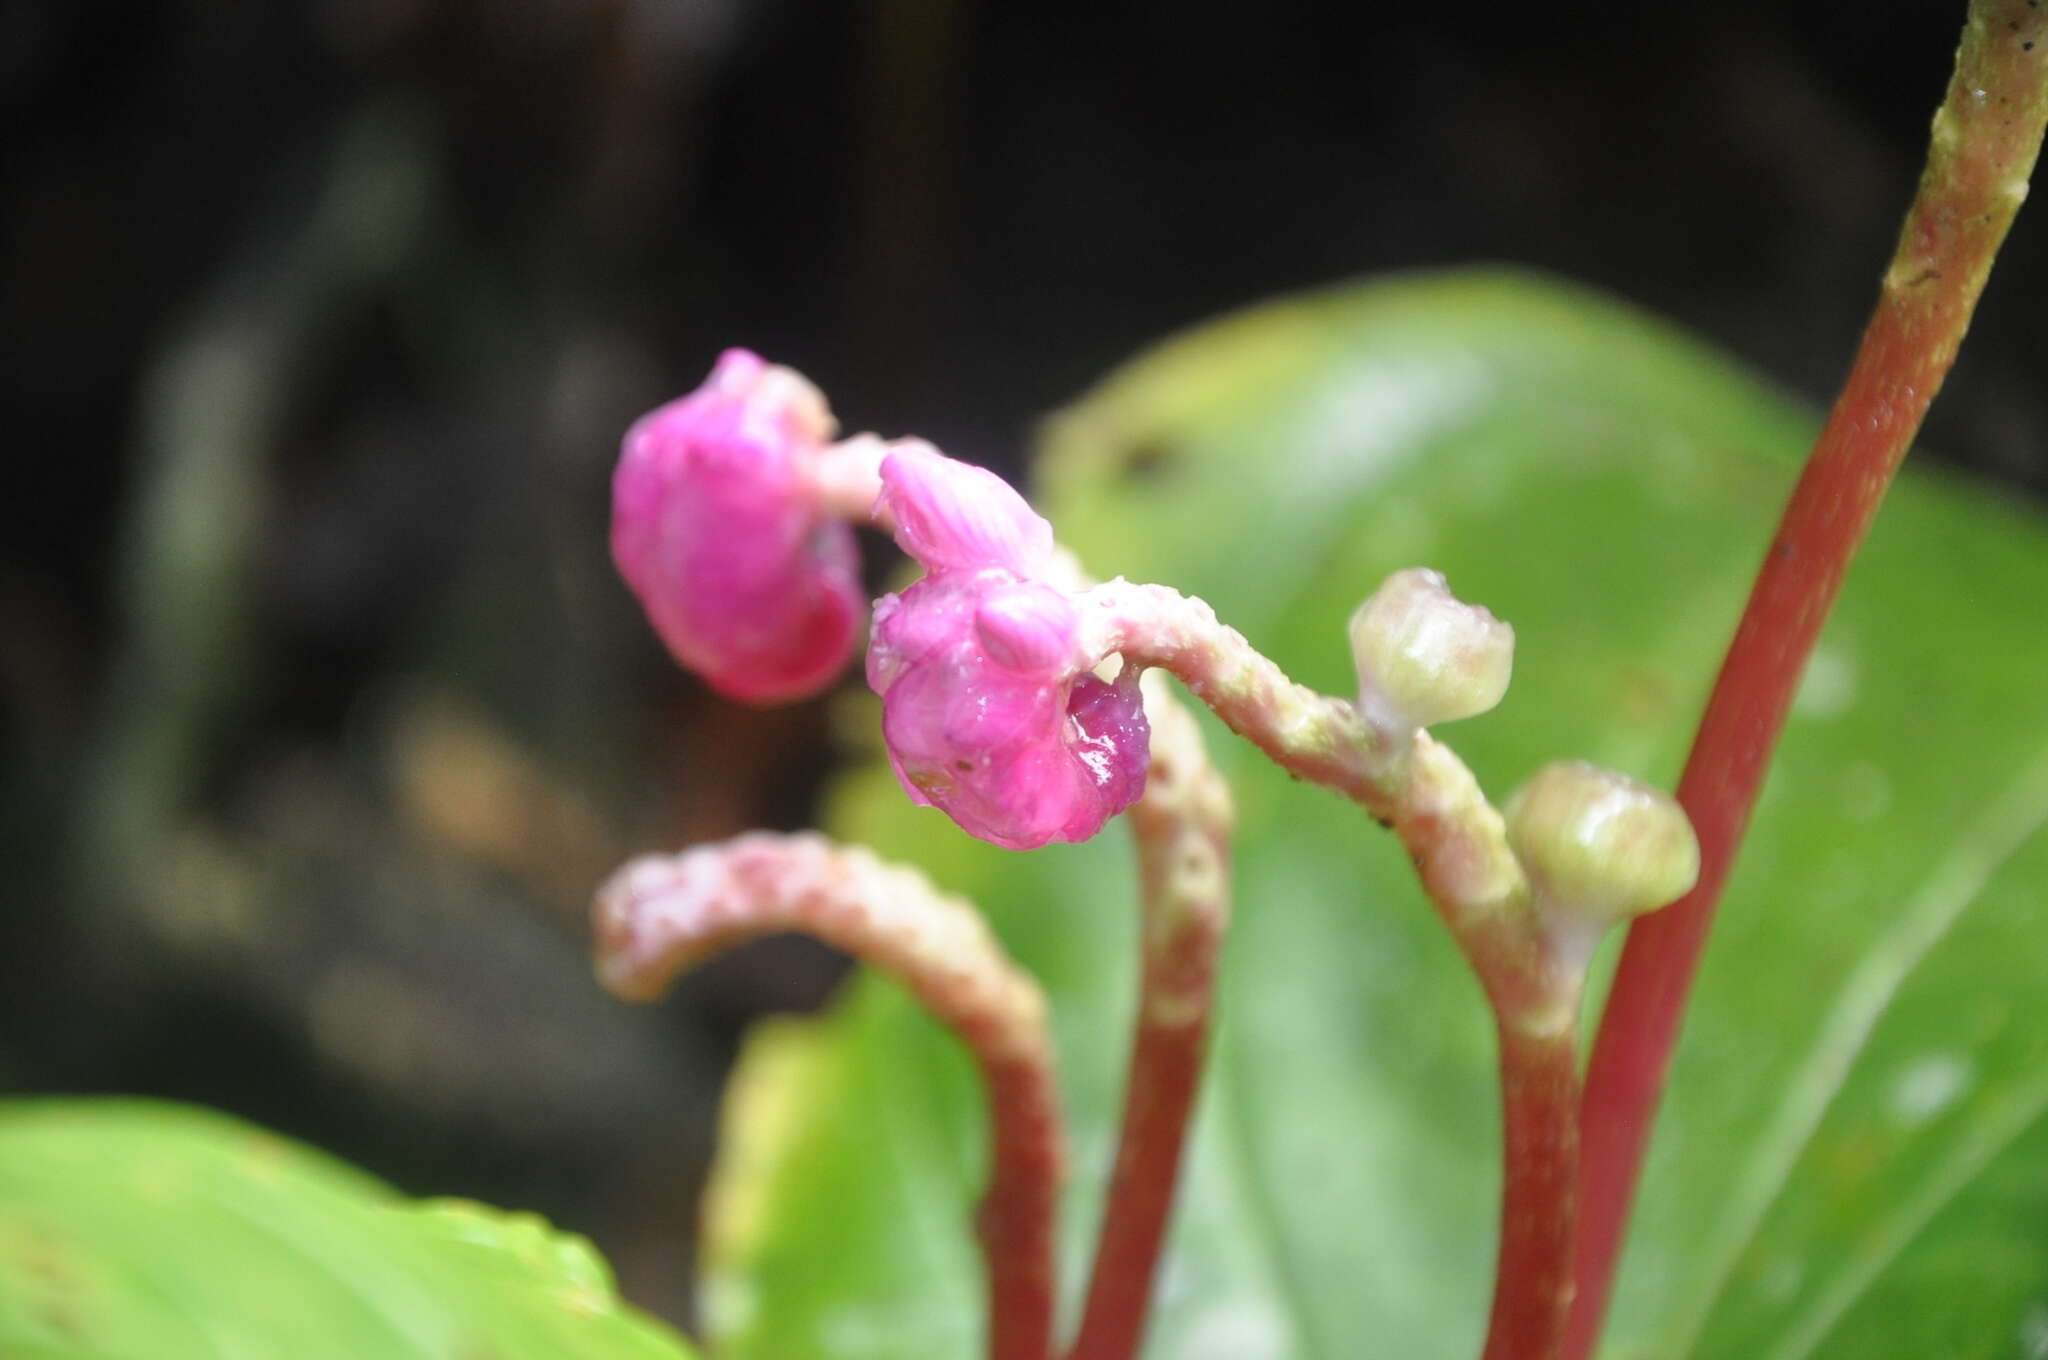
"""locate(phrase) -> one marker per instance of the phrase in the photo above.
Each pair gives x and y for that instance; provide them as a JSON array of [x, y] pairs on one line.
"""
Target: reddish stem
[[660, 915], [1182, 829], [1165, 1072], [1015, 1220], [1539, 1080], [1986, 137]]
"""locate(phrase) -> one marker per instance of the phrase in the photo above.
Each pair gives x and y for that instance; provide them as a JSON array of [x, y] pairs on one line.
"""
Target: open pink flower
[[719, 529], [990, 707]]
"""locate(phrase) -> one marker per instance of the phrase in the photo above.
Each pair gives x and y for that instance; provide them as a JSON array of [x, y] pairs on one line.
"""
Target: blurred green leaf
[[1852, 1161], [137, 1231]]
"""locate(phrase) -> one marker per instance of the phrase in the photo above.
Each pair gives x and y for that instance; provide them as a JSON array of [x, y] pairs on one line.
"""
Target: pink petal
[[951, 515], [1017, 756], [1027, 627]]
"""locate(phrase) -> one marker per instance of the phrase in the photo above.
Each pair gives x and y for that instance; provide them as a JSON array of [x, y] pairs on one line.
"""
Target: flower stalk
[[1986, 137], [1524, 895], [660, 915], [1182, 828], [1539, 1085], [1316, 737]]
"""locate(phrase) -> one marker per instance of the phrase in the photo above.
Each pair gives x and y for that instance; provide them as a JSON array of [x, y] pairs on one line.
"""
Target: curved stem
[[1985, 140], [1316, 737], [660, 915], [1459, 843], [1404, 779], [1182, 829]]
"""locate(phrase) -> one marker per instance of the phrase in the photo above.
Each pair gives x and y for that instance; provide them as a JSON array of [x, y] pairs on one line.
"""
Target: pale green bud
[[1598, 846], [1424, 656]]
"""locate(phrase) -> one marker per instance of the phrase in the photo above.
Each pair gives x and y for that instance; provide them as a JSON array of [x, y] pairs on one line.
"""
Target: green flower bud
[[1426, 657], [1598, 846]]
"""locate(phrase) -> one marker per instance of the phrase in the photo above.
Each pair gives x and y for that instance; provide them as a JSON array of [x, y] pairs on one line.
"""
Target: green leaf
[[1853, 1159], [130, 1229]]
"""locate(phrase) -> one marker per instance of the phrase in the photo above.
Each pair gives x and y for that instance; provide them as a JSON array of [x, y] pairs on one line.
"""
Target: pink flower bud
[[1022, 750], [951, 515], [719, 529]]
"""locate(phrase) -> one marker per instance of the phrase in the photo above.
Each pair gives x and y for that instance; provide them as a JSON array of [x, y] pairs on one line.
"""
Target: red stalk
[[1182, 829], [661, 915], [1986, 138], [1165, 1073], [1539, 1082], [1015, 1220]]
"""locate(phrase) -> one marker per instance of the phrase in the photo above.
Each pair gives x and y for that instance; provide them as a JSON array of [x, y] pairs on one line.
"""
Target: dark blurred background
[[323, 710]]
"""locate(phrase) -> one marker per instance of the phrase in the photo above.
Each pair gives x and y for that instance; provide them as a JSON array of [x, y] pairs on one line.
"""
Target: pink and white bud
[[718, 528], [1020, 749], [1424, 656], [953, 516]]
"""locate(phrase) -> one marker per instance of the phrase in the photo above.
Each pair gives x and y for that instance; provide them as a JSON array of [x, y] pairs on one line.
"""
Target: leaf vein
[[1957, 882], [1992, 1134]]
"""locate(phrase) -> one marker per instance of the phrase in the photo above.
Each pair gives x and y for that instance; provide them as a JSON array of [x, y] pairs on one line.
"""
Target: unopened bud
[[718, 528], [1599, 846], [951, 515], [1424, 656]]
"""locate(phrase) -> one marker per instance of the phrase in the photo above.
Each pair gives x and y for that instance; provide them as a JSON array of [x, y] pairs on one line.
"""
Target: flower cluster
[[728, 525], [1010, 696], [1011, 701]]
